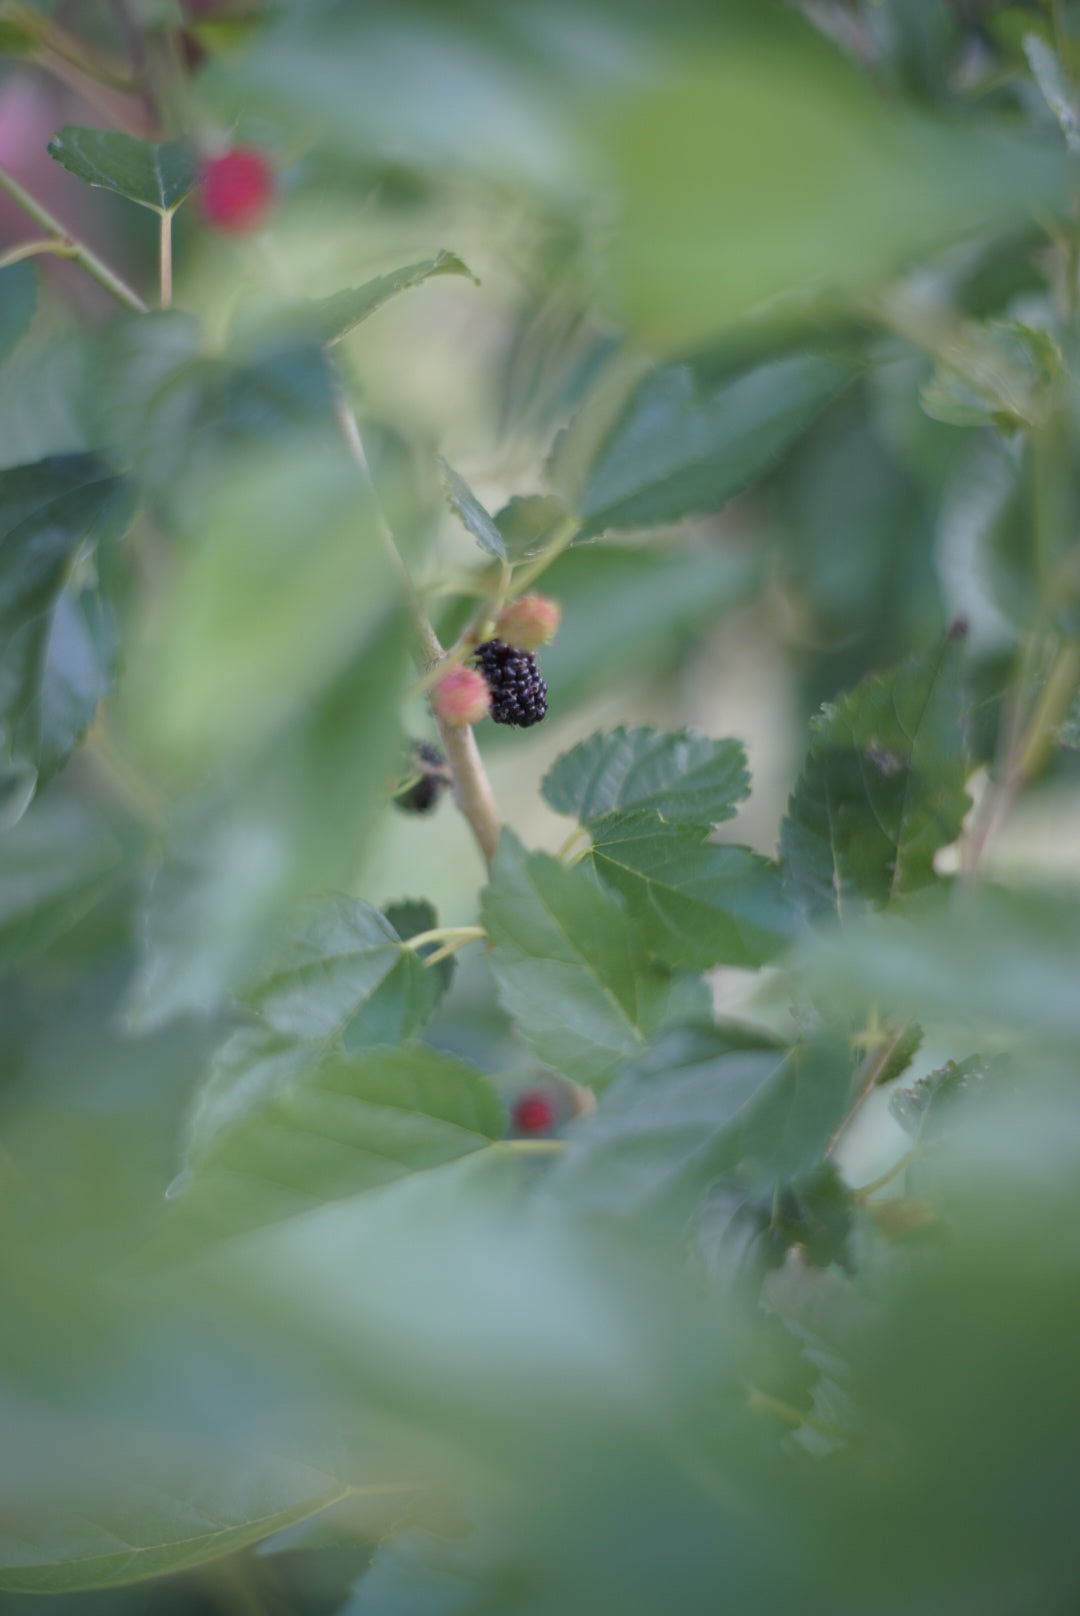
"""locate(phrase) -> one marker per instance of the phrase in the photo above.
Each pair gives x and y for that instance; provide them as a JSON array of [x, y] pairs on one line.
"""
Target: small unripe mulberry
[[529, 623], [237, 190], [534, 1112], [461, 697]]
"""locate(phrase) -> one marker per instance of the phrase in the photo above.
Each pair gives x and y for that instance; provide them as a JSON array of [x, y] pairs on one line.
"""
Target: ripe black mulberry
[[518, 694]]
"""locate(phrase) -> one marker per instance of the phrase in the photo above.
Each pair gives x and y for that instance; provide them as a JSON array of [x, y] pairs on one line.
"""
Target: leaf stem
[[31, 249], [77, 249], [870, 1069], [440, 934], [472, 789], [166, 257]]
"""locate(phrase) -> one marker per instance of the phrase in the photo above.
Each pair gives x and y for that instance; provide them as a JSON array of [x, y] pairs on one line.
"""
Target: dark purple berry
[[427, 763], [518, 694]]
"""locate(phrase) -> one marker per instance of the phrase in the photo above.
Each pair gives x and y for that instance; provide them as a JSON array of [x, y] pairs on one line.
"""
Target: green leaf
[[279, 1127], [282, 580], [343, 972], [54, 865], [630, 610], [295, 820], [569, 968], [681, 775], [919, 1109], [703, 1102], [882, 788], [415, 1574], [700, 903], [156, 175], [59, 642], [758, 162], [330, 318], [147, 1514], [409, 918], [964, 964], [681, 449], [18, 300], [472, 514], [527, 521]]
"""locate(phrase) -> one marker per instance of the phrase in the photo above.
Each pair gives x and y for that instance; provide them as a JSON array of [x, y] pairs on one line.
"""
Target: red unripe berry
[[461, 697], [237, 190], [529, 623], [534, 1112]]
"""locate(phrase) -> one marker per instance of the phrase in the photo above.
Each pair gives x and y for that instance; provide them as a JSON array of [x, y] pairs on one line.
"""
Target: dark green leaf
[[54, 865], [158, 176], [701, 904], [342, 972], [18, 299], [569, 968], [679, 449], [472, 514], [703, 1102], [682, 776], [409, 918], [882, 788], [57, 632], [331, 318], [279, 1127]]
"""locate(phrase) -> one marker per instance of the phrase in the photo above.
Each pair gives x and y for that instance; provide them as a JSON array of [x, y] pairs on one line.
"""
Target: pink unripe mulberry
[[237, 190], [529, 623], [461, 697]]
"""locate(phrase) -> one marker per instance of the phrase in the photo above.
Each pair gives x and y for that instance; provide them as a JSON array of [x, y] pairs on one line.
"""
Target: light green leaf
[[700, 904], [703, 1101], [54, 865], [569, 968], [147, 1513], [343, 972], [18, 300], [283, 578], [279, 1127], [681, 775], [330, 318], [57, 634], [157, 176], [527, 521], [759, 162], [294, 821], [472, 514], [920, 1109], [680, 449], [882, 788]]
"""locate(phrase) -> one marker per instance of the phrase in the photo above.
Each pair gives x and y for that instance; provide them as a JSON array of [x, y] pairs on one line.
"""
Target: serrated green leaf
[[58, 637], [700, 903], [882, 788], [329, 319], [54, 865], [18, 300], [279, 1127], [471, 513], [409, 918], [156, 175], [343, 972], [704, 1101], [679, 449], [679, 774], [919, 1109], [569, 968]]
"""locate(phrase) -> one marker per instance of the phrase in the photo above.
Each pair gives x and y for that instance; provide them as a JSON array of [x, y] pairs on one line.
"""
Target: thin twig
[[33, 249], [472, 789], [80, 252], [867, 1077]]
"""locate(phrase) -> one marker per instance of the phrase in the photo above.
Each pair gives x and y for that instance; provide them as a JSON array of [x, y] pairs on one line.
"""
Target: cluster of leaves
[[257, 1157]]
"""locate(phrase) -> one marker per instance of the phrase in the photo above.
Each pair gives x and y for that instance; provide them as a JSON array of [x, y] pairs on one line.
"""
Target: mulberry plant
[[620, 1189]]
